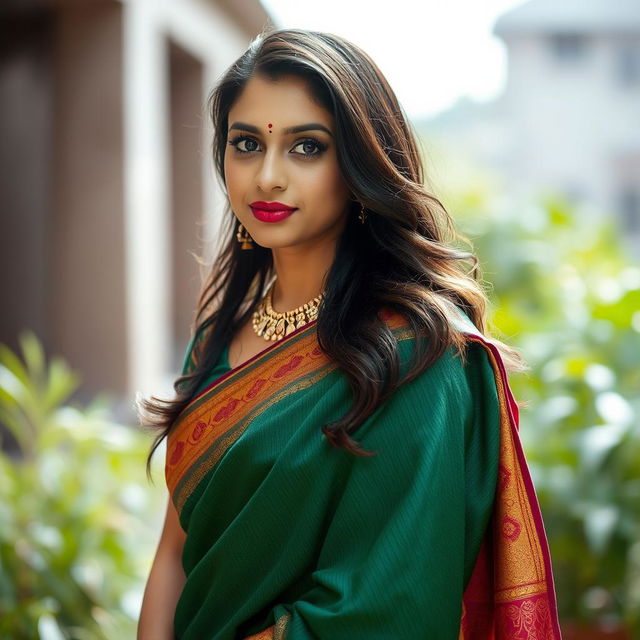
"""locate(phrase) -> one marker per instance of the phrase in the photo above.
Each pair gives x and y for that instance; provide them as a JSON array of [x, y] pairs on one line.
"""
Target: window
[[568, 47], [630, 211], [575, 193], [628, 65]]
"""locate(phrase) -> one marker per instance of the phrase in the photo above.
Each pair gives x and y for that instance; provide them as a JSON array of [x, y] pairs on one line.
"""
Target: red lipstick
[[271, 211]]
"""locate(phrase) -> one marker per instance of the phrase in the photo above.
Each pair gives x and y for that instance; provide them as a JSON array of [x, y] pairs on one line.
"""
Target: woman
[[342, 455]]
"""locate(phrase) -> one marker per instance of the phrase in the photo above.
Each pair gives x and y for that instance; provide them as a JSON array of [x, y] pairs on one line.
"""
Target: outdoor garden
[[79, 521]]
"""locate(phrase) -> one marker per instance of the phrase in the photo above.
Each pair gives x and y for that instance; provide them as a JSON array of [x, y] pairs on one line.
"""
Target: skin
[[278, 167], [165, 582]]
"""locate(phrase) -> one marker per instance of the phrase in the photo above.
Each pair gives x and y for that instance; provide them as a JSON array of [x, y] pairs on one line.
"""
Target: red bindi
[[270, 125]]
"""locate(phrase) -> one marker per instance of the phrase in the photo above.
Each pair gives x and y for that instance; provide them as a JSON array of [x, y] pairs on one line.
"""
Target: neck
[[300, 274]]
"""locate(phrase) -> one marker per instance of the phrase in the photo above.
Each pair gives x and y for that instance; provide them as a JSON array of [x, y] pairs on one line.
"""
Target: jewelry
[[274, 325], [362, 216], [246, 240]]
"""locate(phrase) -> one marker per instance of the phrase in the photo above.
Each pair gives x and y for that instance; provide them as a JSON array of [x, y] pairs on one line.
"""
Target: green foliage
[[564, 293], [74, 546]]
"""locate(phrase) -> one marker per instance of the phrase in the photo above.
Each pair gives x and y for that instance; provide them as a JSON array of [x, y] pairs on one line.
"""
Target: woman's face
[[265, 162]]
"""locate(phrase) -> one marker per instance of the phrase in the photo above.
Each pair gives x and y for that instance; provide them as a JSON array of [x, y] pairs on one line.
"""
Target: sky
[[432, 52]]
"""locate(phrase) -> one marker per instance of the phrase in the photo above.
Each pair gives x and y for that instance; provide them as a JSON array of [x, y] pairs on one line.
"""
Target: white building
[[568, 121], [573, 101]]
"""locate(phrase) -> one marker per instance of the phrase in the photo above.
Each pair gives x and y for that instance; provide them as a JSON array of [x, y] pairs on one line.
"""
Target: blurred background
[[529, 121]]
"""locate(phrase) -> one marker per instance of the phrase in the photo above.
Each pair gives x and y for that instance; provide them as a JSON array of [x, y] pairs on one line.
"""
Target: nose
[[271, 173]]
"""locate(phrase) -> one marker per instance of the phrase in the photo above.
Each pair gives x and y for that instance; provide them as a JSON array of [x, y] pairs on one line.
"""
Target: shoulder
[[459, 380], [194, 349]]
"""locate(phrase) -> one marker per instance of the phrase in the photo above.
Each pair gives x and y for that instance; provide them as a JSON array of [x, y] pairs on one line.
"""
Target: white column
[[214, 197], [147, 197]]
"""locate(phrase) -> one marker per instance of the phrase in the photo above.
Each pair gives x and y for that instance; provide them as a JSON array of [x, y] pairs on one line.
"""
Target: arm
[[165, 582]]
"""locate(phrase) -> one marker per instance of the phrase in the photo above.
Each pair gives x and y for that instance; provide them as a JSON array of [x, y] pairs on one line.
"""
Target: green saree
[[290, 538]]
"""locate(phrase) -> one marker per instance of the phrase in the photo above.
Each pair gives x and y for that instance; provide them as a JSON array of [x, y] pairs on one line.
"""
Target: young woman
[[343, 459]]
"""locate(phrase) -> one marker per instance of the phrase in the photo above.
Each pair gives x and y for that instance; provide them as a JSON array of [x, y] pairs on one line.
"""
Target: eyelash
[[320, 145]]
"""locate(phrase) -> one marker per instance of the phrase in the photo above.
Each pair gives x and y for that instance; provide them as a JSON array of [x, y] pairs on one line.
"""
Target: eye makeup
[[320, 146]]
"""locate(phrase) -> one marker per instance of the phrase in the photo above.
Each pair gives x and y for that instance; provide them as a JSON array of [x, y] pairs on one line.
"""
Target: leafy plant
[[564, 292], [74, 540], [74, 544]]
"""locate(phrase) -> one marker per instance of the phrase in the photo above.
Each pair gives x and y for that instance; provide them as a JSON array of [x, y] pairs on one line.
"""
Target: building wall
[[158, 37], [188, 150], [570, 118], [26, 130], [107, 179], [87, 311]]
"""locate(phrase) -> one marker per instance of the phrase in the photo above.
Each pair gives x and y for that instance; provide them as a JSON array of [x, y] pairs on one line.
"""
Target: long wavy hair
[[405, 257]]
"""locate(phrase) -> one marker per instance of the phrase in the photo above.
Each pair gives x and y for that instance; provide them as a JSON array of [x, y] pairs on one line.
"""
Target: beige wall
[[87, 294], [555, 144], [107, 179], [25, 177], [187, 190]]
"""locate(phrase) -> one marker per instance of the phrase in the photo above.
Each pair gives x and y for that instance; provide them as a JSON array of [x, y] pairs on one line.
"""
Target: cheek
[[233, 180], [335, 189], [327, 184]]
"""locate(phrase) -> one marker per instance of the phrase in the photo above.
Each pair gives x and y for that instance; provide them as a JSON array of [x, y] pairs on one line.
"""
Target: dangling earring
[[246, 240], [362, 216]]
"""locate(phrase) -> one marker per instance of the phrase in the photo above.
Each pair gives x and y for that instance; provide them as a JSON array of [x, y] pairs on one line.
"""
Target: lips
[[270, 206], [271, 211]]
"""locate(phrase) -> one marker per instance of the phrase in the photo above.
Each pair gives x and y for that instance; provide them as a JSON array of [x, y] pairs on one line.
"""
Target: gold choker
[[274, 325]]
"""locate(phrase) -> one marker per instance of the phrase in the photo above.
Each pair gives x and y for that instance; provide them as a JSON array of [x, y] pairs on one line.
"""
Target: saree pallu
[[436, 537]]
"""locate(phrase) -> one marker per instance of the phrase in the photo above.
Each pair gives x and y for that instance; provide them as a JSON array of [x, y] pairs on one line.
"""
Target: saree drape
[[438, 536]]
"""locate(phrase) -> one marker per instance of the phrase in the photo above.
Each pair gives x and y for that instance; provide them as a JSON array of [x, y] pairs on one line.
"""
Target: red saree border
[[527, 609], [218, 415], [275, 345]]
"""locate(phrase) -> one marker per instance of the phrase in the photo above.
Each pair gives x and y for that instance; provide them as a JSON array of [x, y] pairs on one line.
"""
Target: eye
[[251, 145], [310, 143], [235, 143]]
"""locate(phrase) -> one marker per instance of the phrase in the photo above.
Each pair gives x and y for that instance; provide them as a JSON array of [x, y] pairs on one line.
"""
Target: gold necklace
[[275, 325]]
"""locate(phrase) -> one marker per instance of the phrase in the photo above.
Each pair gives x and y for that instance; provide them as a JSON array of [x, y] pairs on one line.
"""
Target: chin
[[279, 239], [275, 243]]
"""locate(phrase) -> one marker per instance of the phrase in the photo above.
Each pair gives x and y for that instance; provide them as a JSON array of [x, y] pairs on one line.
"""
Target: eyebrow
[[311, 126]]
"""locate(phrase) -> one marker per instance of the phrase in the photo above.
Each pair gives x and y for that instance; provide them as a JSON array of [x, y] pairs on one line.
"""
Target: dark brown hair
[[403, 258]]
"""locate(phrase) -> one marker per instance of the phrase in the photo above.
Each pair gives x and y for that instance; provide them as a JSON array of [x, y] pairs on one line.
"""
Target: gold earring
[[362, 216], [245, 239]]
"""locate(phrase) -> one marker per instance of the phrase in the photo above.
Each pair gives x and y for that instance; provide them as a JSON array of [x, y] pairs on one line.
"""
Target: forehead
[[284, 102]]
